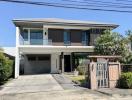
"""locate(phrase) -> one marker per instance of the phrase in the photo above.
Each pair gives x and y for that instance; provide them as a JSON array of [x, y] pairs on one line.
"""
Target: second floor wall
[[59, 37]]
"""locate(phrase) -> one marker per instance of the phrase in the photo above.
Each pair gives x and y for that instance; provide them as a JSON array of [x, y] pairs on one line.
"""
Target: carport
[[35, 64]]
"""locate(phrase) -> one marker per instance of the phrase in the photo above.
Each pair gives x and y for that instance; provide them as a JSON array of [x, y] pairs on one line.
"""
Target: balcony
[[84, 43], [36, 42], [67, 43]]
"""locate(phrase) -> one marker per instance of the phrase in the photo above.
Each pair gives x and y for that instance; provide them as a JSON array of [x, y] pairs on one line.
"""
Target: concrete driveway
[[31, 83]]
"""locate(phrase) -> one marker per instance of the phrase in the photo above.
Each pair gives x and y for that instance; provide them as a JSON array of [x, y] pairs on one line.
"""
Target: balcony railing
[[67, 43], [36, 42], [84, 43]]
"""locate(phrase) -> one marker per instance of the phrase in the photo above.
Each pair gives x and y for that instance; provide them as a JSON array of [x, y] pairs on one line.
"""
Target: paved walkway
[[116, 92], [31, 83], [50, 87], [56, 95], [65, 82]]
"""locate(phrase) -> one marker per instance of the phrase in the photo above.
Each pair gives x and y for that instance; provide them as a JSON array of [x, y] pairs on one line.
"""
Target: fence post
[[93, 80]]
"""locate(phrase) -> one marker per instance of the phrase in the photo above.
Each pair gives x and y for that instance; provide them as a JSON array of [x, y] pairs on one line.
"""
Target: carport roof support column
[[17, 58]]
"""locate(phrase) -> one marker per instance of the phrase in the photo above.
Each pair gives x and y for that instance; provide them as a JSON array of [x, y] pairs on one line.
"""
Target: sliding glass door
[[36, 37], [67, 37]]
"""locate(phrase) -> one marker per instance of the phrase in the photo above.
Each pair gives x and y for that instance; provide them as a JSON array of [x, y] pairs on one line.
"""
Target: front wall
[[114, 73]]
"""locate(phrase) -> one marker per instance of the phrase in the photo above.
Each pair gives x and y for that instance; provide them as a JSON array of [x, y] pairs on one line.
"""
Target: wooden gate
[[102, 74]]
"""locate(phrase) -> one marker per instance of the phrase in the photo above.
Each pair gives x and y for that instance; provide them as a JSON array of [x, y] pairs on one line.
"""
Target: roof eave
[[15, 21]]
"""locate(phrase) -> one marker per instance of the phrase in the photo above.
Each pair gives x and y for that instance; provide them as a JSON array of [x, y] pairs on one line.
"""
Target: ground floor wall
[[57, 62], [39, 63]]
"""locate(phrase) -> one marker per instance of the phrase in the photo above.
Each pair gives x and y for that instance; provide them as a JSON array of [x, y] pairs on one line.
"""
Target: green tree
[[111, 43], [128, 57], [1, 49], [129, 35], [6, 68]]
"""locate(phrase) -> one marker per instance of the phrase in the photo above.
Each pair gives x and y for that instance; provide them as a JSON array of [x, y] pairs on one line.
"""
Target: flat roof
[[57, 21]]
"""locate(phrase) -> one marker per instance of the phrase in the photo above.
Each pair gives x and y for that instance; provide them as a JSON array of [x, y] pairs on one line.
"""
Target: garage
[[36, 64]]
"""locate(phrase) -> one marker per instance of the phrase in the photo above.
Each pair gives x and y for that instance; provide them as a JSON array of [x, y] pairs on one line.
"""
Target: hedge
[[125, 80], [6, 68]]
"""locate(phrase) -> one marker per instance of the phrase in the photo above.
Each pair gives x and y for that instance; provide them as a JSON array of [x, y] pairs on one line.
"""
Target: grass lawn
[[80, 79]]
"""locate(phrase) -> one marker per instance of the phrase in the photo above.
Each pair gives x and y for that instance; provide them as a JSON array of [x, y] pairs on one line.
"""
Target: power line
[[106, 2], [64, 6], [98, 4], [124, 0]]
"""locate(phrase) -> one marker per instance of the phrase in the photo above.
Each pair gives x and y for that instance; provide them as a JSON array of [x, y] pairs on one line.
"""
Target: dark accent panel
[[56, 35], [76, 39]]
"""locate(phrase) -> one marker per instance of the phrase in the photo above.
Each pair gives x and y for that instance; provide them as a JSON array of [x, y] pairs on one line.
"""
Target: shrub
[[6, 68], [81, 70], [125, 80]]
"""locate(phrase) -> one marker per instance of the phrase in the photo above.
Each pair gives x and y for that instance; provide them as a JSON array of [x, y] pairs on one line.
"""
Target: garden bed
[[80, 79]]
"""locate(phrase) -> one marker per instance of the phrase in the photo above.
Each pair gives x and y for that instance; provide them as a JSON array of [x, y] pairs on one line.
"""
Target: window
[[66, 37], [84, 38], [36, 37], [31, 58], [24, 34], [43, 58]]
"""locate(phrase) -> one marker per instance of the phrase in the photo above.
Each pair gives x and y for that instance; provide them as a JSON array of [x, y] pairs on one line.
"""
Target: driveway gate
[[102, 74]]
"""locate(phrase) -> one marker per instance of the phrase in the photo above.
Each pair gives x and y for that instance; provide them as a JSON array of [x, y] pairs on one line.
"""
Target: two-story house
[[50, 45]]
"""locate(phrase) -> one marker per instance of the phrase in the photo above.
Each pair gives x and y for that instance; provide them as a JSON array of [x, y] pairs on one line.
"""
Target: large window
[[24, 34], [85, 38], [67, 37], [36, 37]]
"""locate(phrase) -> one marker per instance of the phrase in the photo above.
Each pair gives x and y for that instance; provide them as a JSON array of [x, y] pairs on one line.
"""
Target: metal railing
[[84, 43], [67, 43]]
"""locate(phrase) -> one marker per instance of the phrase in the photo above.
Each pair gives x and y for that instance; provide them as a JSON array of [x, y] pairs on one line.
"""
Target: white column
[[17, 36], [17, 53], [28, 36], [45, 35], [62, 64], [54, 63]]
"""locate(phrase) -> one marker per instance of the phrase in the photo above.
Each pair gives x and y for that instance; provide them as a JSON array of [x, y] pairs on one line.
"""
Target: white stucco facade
[[55, 52]]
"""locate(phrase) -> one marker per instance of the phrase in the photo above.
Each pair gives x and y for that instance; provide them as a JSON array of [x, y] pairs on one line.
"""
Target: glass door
[[36, 37]]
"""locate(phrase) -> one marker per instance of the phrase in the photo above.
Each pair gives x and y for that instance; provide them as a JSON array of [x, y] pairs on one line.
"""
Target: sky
[[10, 11]]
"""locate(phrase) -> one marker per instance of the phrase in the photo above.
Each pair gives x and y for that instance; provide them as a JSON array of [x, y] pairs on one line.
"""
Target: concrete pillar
[[62, 65], [54, 63], [93, 79], [28, 36], [62, 60], [17, 58], [45, 36], [114, 74], [71, 57]]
